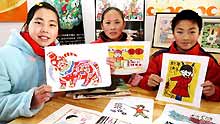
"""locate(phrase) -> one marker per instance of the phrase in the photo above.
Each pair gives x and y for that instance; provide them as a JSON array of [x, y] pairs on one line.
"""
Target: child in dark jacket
[[186, 27]]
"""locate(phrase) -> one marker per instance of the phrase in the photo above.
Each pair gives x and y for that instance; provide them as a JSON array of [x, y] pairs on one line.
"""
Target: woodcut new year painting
[[75, 67], [130, 57], [182, 78]]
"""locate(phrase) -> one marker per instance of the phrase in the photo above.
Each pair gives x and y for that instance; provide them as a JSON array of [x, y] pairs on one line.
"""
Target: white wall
[[5, 29]]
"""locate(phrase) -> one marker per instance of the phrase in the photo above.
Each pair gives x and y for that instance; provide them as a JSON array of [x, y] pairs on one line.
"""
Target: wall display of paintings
[[183, 76], [163, 35], [174, 6], [133, 11], [71, 67], [71, 22], [13, 10], [210, 34], [174, 114]]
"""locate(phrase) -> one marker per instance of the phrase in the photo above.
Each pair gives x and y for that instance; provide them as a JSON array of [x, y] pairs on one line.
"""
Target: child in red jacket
[[186, 27], [113, 24]]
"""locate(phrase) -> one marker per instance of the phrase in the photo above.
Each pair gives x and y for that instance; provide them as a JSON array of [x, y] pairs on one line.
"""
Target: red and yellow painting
[[129, 57], [181, 80], [13, 10]]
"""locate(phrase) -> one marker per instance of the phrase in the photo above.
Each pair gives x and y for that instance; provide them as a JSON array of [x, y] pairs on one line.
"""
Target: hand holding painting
[[208, 88], [154, 80], [22, 79], [113, 24], [186, 27]]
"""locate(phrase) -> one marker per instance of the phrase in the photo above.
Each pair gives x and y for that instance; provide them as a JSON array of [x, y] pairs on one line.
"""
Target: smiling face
[[113, 25], [186, 73], [186, 34], [43, 28]]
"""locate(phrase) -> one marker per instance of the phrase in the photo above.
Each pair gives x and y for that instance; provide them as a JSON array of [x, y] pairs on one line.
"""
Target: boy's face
[[186, 34]]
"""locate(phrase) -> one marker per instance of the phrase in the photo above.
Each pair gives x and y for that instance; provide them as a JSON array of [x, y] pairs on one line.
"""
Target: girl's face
[[43, 28], [113, 25], [186, 34]]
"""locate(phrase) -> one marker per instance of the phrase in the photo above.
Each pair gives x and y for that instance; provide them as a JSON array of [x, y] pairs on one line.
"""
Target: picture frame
[[163, 36], [210, 34]]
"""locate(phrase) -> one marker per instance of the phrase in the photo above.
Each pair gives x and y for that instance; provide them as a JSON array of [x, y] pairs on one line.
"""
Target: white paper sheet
[[74, 67], [182, 87], [135, 110], [131, 57], [174, 114]]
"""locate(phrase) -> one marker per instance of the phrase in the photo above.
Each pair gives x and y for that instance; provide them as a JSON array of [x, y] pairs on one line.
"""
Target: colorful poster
[[163, 34], [133, 11], [182, 78], [69, 114], [135, 110], [13, 10], [74, 67], [203, 7], [130, 57], [71, 23], [174, 114], [210, 35]]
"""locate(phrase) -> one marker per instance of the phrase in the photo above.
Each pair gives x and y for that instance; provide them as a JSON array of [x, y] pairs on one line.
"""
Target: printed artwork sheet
[[69, 114], [182, 78], [135, 110], [130, 57], [174, 114], [74, 67]]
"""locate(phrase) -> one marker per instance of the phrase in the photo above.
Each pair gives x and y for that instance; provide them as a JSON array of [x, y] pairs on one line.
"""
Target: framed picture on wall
[[210, 34], [163, 35]]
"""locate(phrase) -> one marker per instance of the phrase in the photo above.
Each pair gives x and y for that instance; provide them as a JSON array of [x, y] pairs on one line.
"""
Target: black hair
[[112, 8], [187, 15], [71, 116], [36, 7], [187, 67]]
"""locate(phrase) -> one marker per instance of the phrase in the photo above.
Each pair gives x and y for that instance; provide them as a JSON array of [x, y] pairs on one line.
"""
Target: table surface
[[100, 103]]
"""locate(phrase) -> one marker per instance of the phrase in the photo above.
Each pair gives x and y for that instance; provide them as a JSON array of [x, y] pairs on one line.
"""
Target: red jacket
[[181, 87], [212, 71]]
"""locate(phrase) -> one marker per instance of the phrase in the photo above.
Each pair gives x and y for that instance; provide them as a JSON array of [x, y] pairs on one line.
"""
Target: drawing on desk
[[183, 76], [130, 57], [135, 110], [70, 114], [175, 114], [71, 68]]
